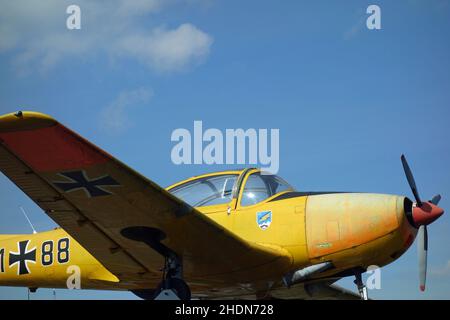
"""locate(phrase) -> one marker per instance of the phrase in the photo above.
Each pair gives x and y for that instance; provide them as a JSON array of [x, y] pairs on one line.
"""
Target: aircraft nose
[[426, 214]]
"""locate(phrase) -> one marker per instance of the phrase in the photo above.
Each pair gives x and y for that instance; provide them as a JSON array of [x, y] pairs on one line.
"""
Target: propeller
[[436, 199], [423, 214], [411, 181], [422, 252]]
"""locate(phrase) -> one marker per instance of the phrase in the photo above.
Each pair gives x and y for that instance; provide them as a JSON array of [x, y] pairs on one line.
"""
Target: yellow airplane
[[231, 234]]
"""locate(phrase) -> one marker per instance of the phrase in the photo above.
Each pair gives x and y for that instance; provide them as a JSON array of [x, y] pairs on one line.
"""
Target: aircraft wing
[[104, 205]]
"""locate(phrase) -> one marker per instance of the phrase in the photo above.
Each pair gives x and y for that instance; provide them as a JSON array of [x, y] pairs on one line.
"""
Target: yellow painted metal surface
[[26, 121], [46, 265], [337, 222]]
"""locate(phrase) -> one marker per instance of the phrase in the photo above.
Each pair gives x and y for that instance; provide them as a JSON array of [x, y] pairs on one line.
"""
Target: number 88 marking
[[62, 254]]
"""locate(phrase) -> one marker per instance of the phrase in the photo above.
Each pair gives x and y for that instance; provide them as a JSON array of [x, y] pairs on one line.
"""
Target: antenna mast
[[29, 221]]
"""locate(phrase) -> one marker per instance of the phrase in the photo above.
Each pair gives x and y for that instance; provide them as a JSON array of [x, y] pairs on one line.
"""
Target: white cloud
[[115, 117], [35, 32], [168, 50], [442, 271]]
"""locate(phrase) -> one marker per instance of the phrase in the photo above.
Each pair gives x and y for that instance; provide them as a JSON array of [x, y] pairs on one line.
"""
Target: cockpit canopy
[[221, 188], [259, 187]]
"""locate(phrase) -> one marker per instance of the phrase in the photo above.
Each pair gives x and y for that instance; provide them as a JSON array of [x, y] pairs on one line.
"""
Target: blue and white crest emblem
[[264, 219]]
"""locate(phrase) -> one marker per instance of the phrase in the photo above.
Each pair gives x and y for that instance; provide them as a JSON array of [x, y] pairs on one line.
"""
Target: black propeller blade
[[411, 182]]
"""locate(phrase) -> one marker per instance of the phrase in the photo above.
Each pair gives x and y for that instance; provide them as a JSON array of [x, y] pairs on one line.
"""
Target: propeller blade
[[422, 249], [410, 178], [436, 199]]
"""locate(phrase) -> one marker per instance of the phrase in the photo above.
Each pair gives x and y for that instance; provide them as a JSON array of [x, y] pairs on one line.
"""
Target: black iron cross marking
[[80, 181], [23, 257]]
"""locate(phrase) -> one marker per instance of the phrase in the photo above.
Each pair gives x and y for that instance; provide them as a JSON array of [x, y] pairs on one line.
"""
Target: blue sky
[[347, 100]]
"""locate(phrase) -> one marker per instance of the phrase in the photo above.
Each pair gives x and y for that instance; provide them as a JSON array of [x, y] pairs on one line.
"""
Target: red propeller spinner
[[426, 214]]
